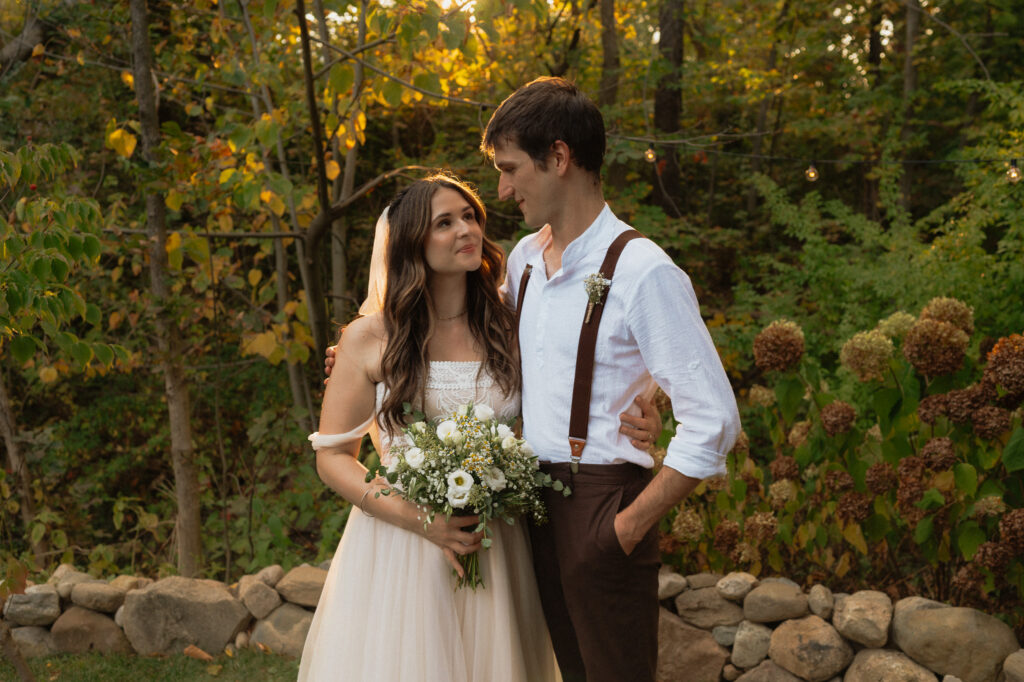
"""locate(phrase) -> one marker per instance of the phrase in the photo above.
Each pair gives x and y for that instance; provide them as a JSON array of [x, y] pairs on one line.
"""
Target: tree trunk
[[22, 477], [668, 106], [186, 475], [608, 91], [871, 196], [909, 86], [764, 107]]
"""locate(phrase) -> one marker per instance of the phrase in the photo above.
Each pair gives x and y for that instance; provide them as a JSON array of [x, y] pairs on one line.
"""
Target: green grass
[[247, 666]]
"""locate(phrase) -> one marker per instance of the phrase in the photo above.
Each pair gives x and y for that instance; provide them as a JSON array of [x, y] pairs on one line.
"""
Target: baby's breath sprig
[[596, 286]]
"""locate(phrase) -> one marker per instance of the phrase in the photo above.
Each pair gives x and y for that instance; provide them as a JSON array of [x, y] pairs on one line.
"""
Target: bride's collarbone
[[453, 346]]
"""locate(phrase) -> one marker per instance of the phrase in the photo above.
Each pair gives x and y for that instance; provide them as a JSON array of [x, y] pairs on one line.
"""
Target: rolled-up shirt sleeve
[[664, 318]]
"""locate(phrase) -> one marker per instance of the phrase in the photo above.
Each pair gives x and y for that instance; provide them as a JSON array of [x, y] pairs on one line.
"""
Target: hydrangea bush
[[901, 471]]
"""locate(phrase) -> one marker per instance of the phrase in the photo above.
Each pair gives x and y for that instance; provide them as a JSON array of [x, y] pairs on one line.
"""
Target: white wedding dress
[[389, 610]]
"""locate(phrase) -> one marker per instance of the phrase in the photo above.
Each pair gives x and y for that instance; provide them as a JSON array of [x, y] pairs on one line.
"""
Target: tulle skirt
[[389, 612]]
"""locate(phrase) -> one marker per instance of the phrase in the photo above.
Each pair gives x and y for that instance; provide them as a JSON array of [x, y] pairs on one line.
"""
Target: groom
[[597, 559]]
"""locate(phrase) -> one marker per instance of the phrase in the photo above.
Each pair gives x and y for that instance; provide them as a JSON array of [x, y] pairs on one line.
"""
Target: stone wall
[[712, 628]]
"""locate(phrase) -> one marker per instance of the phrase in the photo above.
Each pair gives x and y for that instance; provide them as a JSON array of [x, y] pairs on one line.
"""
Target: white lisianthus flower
[[458, 498], [494, 478], [504, 431], [460, 479], [483, 412], [445, 430], [415, 457], [508, 442]]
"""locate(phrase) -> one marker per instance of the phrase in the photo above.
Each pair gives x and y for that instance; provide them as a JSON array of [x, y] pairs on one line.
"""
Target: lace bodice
[[450, 384]]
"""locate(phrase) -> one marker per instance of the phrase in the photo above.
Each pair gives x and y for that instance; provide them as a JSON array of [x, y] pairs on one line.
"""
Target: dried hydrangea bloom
[[911, 489], [880, 478], [761, 396], [989, 506], [897, 325], [745, 553], [783, 468], [992, 555], [780, 493], [716, 483], [1006, 365], [967, 579], [687, 526], [658, 455], [798, 434], [961, 403], [867, 355], [934, 347], [779, 346], [837, 417], [742, 444], [1011, 530], [838, 481], [727, 534], [874, 433], [991, 421], [761, 527], [951, 310], [854, 506], [939, 454], [931, 407]]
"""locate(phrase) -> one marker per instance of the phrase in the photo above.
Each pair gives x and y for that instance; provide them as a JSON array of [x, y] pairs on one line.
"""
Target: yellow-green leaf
[[260, 344], [122, 142], [855, 536], [333, 169], [254, 277], [173, 200]]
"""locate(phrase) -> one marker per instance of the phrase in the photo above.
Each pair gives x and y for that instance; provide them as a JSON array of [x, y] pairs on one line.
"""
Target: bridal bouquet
[[467, 463]]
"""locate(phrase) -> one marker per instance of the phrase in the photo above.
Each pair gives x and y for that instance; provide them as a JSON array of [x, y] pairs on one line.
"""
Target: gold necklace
[[453, 317]]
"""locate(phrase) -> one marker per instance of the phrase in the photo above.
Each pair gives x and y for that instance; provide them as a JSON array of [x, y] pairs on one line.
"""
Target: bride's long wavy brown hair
[[407, 307]]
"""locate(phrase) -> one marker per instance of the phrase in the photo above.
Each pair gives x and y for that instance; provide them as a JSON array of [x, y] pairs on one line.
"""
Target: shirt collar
[[596, 237]]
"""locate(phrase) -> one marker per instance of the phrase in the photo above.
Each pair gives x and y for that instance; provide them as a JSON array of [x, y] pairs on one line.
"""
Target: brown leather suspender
[[579, 414]]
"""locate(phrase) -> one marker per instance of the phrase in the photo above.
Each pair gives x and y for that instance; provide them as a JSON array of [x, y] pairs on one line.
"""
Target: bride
[[435, 334]]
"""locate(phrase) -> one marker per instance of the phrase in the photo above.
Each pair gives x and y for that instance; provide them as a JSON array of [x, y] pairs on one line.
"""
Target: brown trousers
[[601, 605]]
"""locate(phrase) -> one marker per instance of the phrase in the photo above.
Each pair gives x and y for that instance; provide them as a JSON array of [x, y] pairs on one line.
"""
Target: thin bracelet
[[360, 505]]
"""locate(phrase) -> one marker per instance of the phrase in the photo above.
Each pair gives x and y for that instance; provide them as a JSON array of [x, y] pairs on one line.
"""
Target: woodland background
[[187, 201]]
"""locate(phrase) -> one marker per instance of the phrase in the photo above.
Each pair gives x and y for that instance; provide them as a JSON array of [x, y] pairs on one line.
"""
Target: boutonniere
[[596, 286]]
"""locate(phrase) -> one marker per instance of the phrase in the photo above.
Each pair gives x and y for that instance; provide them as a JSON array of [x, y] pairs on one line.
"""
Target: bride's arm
[[349, 401]]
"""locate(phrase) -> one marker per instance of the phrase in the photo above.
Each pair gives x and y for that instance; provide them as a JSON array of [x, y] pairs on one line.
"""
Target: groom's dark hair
[[546, 110]]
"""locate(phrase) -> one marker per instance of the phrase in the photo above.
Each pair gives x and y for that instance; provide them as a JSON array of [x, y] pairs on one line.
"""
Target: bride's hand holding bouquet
[[467, 464]]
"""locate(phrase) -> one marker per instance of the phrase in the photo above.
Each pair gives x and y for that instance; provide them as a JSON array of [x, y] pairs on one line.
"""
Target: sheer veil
[[378, 268]]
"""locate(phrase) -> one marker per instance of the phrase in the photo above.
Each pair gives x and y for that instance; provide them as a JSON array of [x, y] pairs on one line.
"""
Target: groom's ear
[[560, 157]]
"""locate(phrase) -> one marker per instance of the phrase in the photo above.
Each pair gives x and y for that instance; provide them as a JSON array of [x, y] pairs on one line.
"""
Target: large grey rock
[[283, 631], [751, 644], [79, 631], [101, 597], [699, 580], [271, 575], [810, 648], [59, 573], [39, 605], [864, 617], [302, 585], [261, 599], [774, 601], [68, 581], [172, 613], [687, 653], [33, 641], [820, 601], [768, 672], [736, 585], [952, 640], [670, 583], [885, 665], [1013, 666], [705, 608]]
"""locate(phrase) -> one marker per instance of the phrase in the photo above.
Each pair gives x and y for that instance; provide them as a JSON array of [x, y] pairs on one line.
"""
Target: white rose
[[494, 478], [392, 464], [508, 442], [445, 430], [483, 412], [414, 457], [527, 450], [458, 498], [460, 480], [419, 427], [504, 431]]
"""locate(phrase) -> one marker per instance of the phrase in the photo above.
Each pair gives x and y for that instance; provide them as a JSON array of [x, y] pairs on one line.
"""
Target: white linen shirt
[[651, 332]]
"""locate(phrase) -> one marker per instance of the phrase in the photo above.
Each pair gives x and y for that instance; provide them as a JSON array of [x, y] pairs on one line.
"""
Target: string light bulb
[[650, 155], [811, 173], [1013, 173]]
